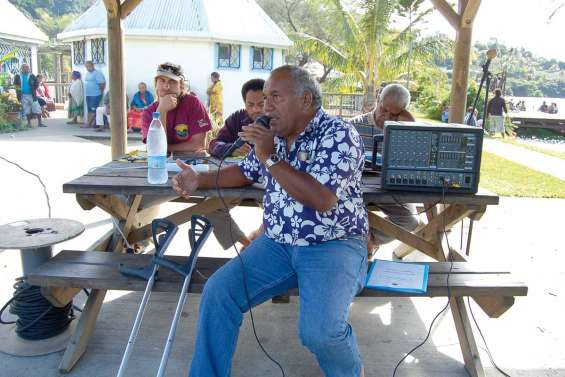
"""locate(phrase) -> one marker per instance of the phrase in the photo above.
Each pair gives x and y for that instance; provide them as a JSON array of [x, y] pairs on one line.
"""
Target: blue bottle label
[[157, 162]]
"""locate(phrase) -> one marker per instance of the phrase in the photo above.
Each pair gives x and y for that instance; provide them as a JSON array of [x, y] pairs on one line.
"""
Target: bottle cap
[[156, 115]]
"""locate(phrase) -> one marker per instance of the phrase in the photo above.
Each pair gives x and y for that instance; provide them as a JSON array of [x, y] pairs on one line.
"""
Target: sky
[[515, 23]]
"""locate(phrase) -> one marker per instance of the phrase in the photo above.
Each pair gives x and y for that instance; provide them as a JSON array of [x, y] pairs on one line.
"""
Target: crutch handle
[[163, 241], [200, 229], [161, 246]]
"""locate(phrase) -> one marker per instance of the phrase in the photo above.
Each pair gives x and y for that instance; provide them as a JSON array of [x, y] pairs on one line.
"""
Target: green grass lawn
[[535, 148], [423, 118], [507, 178]]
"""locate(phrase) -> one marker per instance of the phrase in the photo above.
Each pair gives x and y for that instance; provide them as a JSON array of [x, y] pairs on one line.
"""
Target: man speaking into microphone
[[315, 229]]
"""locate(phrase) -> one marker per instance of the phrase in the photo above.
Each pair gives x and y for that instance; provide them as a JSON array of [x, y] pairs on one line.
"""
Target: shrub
[[9, 104]]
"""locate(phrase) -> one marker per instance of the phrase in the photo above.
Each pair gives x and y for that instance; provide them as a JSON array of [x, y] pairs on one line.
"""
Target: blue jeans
[[328, 275]]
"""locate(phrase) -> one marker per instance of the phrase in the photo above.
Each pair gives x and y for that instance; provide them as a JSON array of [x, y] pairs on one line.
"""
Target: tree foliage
[[527, 75], [357, 41], [52, 16]]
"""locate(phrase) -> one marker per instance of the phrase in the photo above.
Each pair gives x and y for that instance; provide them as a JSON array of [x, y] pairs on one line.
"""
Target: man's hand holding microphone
[[188, 180]]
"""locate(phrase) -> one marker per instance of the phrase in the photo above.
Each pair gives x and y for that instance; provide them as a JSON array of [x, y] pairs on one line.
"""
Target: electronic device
[[426, 157], [373, 156]]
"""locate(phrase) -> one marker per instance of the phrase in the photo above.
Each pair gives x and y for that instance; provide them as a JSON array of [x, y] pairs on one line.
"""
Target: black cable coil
[[37, 318]]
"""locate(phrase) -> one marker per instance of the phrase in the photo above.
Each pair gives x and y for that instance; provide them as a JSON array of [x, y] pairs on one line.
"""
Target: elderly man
[[94, 85], [26, 88], [392, 104], [315, 229]]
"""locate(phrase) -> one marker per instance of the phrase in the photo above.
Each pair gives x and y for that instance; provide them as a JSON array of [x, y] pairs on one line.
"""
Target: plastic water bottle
[[156, 152]]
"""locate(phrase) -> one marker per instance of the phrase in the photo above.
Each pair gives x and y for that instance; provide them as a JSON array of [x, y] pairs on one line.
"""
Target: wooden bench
[[99, 271]]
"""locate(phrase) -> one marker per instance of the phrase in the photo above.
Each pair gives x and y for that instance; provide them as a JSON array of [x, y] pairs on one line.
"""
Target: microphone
[[263, 120], [491, 54]]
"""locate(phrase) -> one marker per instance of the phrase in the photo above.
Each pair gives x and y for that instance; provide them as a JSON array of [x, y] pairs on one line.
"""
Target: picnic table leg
[[493, 306], [433, 231], [467, 342], [181, 217], [431, 212], [81, 337], [463, 326]]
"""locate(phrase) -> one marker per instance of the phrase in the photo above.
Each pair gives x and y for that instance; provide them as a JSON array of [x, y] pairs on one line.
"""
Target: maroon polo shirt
[[228, 133], [187, 119]]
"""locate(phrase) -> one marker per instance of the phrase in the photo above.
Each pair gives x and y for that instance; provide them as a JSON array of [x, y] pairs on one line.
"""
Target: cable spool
[[40, 328], [37, 318]]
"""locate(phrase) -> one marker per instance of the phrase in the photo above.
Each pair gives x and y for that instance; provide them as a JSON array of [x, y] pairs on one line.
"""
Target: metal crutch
[[148, 273], [199, 232]]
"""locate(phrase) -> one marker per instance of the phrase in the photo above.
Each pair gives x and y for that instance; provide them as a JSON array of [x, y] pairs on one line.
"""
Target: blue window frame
[[97, 51], [79, 52], [262, 58], [228, 55]]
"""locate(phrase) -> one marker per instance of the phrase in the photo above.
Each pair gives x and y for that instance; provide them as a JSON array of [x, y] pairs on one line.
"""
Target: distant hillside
[[52, 16], [527, 75]]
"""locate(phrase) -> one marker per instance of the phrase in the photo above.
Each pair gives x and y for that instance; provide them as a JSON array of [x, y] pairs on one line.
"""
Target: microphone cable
[[226, 209], [443, 189], [36, 176]]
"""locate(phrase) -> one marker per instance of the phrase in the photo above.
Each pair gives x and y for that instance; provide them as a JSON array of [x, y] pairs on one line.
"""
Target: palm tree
[[410, 8], [369, 51]]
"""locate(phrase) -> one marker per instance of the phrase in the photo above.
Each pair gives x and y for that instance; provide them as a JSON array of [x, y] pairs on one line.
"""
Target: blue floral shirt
[[331, 151]]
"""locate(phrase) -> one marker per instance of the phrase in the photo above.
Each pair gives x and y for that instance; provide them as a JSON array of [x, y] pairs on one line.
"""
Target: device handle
[[200, 229], [161, 245], [163, 241], [377, 139]]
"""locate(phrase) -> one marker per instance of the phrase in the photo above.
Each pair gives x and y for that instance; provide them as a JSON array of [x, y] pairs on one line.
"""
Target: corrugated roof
[[16, 26], [224, 20]]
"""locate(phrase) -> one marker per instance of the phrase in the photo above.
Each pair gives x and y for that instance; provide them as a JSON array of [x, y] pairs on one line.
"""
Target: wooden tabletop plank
[[372, 195]]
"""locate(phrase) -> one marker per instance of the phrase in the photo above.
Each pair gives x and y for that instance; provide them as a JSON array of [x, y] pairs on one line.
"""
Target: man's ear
[[307, 100]]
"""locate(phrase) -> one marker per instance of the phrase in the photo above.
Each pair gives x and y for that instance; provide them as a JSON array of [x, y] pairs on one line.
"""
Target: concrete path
[[535, 160], [510, 234], [57, 126]]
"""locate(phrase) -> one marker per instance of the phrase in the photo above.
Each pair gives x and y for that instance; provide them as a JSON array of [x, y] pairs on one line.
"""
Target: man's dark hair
[[252, 85], [497, 92], [215, 75]]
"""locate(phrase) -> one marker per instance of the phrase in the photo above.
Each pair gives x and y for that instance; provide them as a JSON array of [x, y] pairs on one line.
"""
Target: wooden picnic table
[[121, 189]]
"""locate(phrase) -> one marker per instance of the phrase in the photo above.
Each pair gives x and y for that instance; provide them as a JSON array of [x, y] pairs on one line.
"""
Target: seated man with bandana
[[183, 115], [392, 104]]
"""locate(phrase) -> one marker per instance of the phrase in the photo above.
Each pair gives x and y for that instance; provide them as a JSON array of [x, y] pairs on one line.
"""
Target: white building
[[236, 38], [19, 39]]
